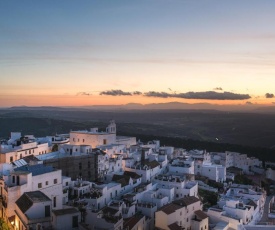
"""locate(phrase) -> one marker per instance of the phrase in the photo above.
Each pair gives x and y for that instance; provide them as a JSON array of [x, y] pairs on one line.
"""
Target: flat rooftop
[[38, 169]]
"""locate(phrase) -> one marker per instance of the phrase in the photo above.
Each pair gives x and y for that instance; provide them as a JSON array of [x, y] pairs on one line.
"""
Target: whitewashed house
[[180, 185], [33, 211], [19, 146], [30, 178], [67, 218], [182, 213]]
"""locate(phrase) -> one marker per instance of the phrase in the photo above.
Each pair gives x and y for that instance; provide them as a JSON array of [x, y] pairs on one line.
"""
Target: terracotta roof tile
[[170, 208], [200, 215], [186, 201], [174, 226]]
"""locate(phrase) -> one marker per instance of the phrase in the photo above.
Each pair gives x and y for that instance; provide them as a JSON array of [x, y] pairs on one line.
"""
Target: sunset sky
[[67, 53]]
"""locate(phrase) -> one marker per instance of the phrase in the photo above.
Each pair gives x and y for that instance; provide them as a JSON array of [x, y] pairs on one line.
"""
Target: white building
[[241, 205], [181, 166], [217, 215], [106, 218], [184, 213], [136, 222], [30, 178], [234, 212], [212, 171], [223, 158], [229, 159], [239, 191], [181, 187], [33, 211], [21, 146], [270, 174], [67, 218], [96, 195]]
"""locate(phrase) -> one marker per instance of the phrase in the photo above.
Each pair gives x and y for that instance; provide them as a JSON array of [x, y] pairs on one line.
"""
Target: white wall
[[64, 222]]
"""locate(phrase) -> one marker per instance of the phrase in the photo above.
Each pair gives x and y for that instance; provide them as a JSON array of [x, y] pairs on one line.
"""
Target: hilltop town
[[93, 179]]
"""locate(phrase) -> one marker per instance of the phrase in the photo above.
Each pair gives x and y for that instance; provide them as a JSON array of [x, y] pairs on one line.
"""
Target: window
[[39, 185], [11, 159], [80, 166], [67, 183], [75, 221], [89, 164], [55, 181], [83, 140], [73, 139], [21, 156], [13, 179], [47, 183], [104, 141], [47, 211], [54, 202]]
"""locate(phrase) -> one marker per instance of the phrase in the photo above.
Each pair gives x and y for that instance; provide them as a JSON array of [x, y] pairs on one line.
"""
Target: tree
[[3, 225]]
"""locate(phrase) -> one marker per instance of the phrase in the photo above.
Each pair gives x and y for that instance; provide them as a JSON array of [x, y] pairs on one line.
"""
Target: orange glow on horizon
[[89, 100]]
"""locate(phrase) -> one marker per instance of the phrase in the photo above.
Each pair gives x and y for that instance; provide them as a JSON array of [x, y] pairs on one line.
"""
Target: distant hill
[[251, 129], [37, 126], [196, 135], [266, 109], [173, 106], [253, 108]]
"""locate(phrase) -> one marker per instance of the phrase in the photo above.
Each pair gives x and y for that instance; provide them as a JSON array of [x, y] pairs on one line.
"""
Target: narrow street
[[265, 220]]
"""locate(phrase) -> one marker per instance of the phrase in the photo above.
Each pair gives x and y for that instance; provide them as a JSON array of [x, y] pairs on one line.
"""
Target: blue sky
[[57, 48]]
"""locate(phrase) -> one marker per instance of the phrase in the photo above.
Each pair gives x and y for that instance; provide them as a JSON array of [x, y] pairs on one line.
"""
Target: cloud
[[212, 95], [83, 94], [269, 95], [117, 92], [157, 94], [218, 88], [208, 95], [136, 93]]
